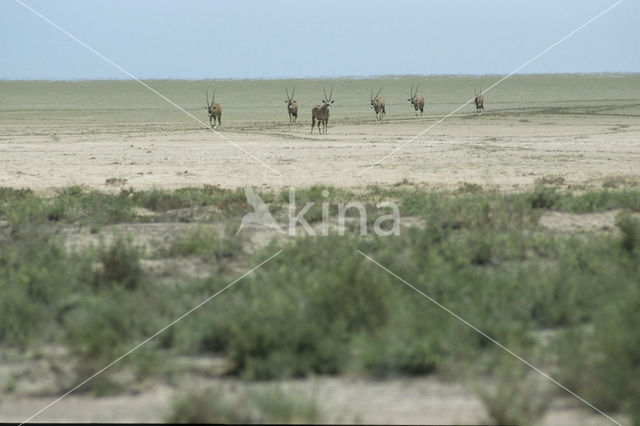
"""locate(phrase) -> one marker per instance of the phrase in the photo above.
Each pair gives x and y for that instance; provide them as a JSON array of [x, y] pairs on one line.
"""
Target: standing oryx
[[479, 100], [321, 112], [377, 104], [416, 101], [215, 110], [292, 105]]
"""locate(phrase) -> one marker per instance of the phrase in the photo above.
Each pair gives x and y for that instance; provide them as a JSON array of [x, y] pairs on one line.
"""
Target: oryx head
[[328, 100], [290, 98]]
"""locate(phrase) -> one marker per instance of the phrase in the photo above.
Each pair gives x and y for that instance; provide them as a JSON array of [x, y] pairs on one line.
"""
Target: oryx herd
[[320, 112]]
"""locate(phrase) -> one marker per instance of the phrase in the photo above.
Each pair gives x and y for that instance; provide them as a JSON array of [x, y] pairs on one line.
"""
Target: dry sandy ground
[[508, 151]]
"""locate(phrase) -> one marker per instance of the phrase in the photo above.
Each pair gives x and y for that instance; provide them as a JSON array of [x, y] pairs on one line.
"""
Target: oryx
[[416, 101], [479, 100], [292, 105], [321, 112], [377, 103], [215, 110]]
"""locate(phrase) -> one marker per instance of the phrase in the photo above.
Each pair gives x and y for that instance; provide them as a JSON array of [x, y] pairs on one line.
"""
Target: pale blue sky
[[272, 39]]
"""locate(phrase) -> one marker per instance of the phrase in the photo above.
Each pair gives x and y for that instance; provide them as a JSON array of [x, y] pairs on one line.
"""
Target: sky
[[302, 39]]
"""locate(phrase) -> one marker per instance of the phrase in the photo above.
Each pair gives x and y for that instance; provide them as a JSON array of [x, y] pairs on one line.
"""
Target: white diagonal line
[[490, 87], [152, 336], [482, 333], [95, 52]]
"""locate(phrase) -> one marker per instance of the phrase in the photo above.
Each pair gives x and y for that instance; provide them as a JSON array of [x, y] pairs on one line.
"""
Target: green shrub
[[205, 243], [101, 327], [228, 201], [36, 275], [120, 267], [267, 318], [270, 405], [544, 198], [602, 361], [630, 229], [514, 394]]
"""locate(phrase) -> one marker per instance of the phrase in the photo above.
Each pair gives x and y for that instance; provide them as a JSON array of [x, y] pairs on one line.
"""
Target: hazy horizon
[[345, 77]]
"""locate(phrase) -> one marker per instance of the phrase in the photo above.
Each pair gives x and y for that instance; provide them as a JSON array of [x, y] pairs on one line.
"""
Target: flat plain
[[581, 127], [119, 211]]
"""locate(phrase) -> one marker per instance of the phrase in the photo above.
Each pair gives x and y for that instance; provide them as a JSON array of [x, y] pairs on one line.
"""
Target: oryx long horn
[[411, 92], [331, 93], [285, 88], [325, 95], [208, 104], [378, 92], [293, 92], [213, 98], [371, 95]]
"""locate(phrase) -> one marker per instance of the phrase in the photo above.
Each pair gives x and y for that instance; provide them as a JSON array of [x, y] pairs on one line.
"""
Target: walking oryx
[[321, 112], [416, 101], [292, 105], [377, 104], [215, 110], [479, 100]]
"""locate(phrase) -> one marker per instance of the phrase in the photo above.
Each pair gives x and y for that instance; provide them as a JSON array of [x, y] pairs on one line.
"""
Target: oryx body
[[377, 103], [416, 101], [479, 101], [215, 110], [321, 112], [292, 106]]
